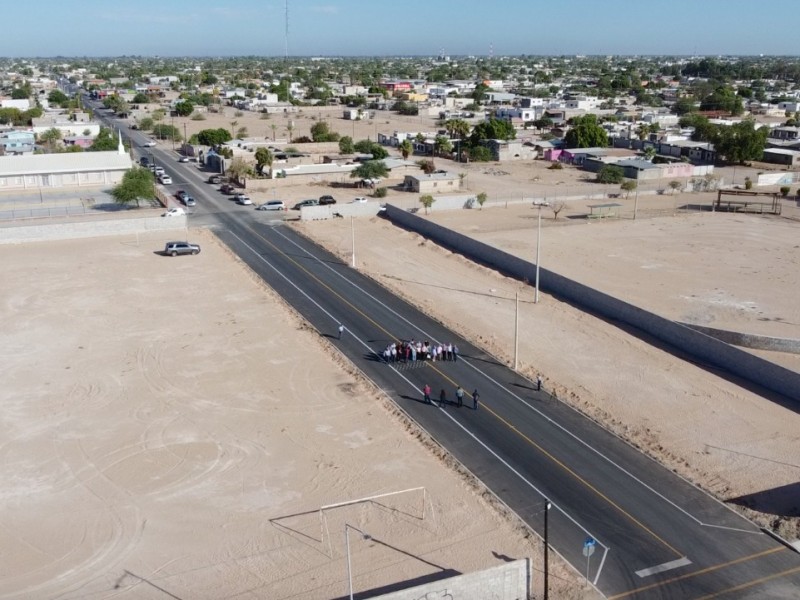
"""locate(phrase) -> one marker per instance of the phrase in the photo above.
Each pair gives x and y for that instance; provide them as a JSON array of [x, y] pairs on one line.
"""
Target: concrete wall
[[321, 213], [46, 231], [509, 581], [703, 348], [749, 340]]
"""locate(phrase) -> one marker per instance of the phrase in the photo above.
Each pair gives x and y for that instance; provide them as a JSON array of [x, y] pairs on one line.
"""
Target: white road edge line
[[444, 412], [537, 411]]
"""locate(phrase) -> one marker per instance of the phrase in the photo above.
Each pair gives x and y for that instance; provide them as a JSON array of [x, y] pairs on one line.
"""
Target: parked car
[[165, 180], [175, 211], [359, 200], [189, 201], [323, 200], [183, 159], [175, 248], [149, 144], [180, 195], [144, 161], [227, 188], [302, 203], [243, 199], [215, 179], [272, 205], [159, 171]]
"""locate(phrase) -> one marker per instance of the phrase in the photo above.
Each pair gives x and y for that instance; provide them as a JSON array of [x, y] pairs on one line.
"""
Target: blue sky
[[397, 27]]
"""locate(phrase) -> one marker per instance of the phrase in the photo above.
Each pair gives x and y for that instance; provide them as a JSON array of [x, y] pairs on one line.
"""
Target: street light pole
[[353, 235], [547, 507]]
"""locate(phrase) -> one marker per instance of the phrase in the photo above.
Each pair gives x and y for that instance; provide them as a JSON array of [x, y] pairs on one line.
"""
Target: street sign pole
[[588, 550]]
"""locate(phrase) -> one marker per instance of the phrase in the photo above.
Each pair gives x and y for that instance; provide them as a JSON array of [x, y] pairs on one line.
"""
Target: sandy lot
[[726, 439], [171, 429]]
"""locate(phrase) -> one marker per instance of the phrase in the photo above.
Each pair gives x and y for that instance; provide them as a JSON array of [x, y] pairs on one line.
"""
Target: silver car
[[176, 248]]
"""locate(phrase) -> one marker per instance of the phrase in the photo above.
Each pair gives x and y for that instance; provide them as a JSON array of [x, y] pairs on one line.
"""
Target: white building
[[583, 103], [69, 169], [65, 126], [21, 104]]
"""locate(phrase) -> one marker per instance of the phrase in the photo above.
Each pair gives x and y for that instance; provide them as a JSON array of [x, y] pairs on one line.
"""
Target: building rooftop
[[67, 162]]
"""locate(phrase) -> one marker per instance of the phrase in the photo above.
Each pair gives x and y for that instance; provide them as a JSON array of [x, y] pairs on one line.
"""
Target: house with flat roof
[[438, 182], [14, 142]]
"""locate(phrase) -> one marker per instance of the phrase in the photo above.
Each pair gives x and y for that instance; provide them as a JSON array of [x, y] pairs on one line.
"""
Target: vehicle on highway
[[272, 205], [180, 195], [189, 201], [175, 211], [176, 248], [227, 188], [165, 179], [323, 200], [359, 200], [149, 144], [243, 199], [183, 159], [302, 203], [215, 179]]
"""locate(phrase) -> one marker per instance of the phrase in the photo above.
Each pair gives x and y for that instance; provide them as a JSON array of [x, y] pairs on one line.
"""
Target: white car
[[359, 200], [165, 180], [175, 211], [149, 144], [183, 159], [243, 200], [272, 205]]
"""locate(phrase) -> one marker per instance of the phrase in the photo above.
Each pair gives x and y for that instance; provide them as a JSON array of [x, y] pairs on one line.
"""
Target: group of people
[[412, 351], [426, 396]]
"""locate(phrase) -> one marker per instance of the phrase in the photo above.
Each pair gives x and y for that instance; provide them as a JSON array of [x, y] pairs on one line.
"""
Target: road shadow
[[783, 501]]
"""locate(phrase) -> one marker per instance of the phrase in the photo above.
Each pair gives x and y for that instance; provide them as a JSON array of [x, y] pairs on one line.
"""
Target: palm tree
[[406, 148], [289, 129], [274, 128], [457, 128]]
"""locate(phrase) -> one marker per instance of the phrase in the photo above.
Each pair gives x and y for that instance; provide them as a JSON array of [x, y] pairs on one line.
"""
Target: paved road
[[650, 534]]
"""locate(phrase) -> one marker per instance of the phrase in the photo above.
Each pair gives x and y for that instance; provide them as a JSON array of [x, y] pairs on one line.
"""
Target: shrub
[[748, 183], [555, 166], [381, 192], [785, 190], [610, 174], [198, 117]]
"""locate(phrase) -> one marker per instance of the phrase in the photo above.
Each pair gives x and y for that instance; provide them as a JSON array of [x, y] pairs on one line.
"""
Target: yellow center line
[[749, 584], [486, 408], [697, 573]]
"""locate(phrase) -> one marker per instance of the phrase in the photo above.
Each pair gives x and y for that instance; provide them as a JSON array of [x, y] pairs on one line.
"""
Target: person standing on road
[[475, 397], [460, 396], [341, 330], [442, 397], [426, 394], [455, 353], [538, 383]]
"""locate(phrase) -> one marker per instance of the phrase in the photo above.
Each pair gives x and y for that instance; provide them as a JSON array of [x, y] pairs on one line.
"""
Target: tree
[[610, 174], [427, 166], [166, 132], [346, 145], [57, 97], [146, 124], [239, 169], [406, 148], [20, 94], [321, 132], [627, 187], [479, 93], [650, 153], [274, 127], [543, 123], [493, 129], [51, 137], [675, 185], [724, 99], [586, 132], [242, 133], [140, 98], [480, 154], [684, 106], [289, 129], [377, 151], [457, 128], [105, 141], [427, 201], [741, 142], [371, 169], [264, 157], [184, 108], [481, 199], [214, 137], [442, 145], [137, 184], [557, 207]]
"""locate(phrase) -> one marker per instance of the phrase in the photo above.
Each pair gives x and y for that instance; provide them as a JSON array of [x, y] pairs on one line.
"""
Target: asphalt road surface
[[632, 528]]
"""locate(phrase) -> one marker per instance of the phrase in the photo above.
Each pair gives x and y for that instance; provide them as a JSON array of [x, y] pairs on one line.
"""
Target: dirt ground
[[171, 428]]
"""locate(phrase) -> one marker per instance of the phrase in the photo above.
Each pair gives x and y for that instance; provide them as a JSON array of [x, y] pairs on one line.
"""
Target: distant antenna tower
[[491, 50], [287, 30]]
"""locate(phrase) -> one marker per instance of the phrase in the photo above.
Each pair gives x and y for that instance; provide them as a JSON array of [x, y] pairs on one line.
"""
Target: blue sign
[[589, 542]]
